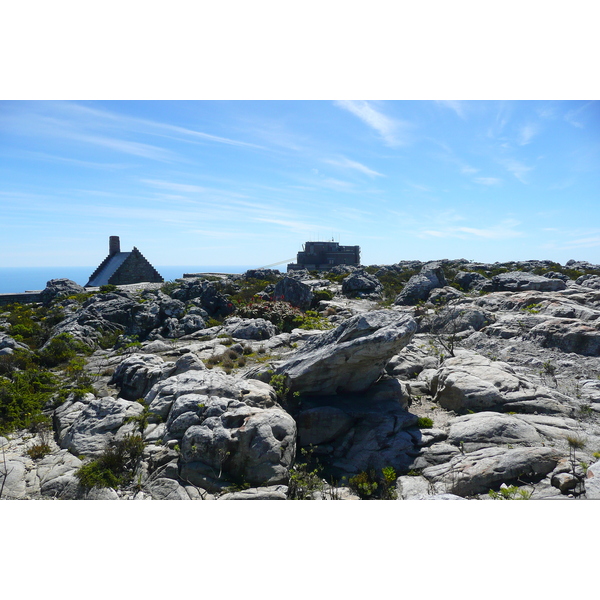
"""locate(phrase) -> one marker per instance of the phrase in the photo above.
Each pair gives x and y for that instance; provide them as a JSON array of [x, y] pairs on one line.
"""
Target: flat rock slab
[[478, 472], [470, 381], [351, 357]]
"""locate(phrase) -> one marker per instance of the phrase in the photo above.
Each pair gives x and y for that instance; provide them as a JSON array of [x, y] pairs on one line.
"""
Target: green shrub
[[115, 466], [511, 492], [23, 396], [369, 485], [61, 349], [323, 295], [305, 479], [109, 287]]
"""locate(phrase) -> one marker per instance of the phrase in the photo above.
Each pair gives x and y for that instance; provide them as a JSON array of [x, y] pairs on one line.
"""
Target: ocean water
[[22, 279]]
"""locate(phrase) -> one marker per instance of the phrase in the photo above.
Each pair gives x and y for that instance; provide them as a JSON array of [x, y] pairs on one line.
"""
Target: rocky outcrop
[[419, 286], [351, 357], [8, 345], [249, 329], [360, 283], [97, 423], [488, 468], [295, 292], [569, 335], [60, 288], [517, 281]]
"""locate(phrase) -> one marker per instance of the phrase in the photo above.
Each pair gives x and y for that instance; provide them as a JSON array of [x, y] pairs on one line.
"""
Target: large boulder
[[241, 444], [98, 424], [351, 357], [205, 383], [470, 280], [136, 375], [351, 433], [207, 295], [60, 288], [295, 292], [361, 283], [8, 345], [419, 286], [249, 329], [230, 430]]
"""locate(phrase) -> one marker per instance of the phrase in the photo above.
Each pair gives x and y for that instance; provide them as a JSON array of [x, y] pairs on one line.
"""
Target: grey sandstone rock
[[136, 375], [243, 443], [250, 329], [478, 472], [8, 345], [592, 483], [98, 424], [470, 280], [419, 286], [517, 280], [59, 288], [293, 291], [208, 383], [272, 492], [569, 335], [485, 429], [361, 283], [322, 424], [469, 381], [351, 357], [56, 473]]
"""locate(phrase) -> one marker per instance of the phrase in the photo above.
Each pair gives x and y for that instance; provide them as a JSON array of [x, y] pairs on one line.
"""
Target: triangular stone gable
[[122, 268]]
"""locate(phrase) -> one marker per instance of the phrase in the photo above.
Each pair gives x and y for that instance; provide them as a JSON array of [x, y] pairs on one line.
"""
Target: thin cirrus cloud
[[391, 130], [504, 230], [457, 106], [488, 180], [518, 169], [527, 133], [346, 163], [148, 126]]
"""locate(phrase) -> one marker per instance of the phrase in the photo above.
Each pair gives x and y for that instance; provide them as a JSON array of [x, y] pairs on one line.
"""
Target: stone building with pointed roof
[[122, 268]]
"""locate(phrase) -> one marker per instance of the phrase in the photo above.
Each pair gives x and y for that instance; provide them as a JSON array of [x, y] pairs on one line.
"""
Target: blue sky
[[247, 182]]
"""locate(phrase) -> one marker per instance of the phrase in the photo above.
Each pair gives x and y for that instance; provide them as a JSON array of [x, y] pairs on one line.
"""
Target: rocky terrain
[[445, 380]]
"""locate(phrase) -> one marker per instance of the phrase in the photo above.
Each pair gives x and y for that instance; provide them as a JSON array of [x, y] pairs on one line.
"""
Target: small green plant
[[285, 396], [511, 492], [305, 480], [533, 308], [424, 423], [369, 485], [109, 287]]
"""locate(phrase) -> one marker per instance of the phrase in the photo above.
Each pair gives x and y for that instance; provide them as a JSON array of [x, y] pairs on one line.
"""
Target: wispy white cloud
[[503, 230], [294, 225], [527, 133], [145, 125], [585, 242], [336, 184], [518, 169], [391, 130], [456, 105], [488, 180], [346, 163]]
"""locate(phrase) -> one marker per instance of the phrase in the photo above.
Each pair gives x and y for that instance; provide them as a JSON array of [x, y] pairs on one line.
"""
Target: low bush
[[115, 466], [370, 485]]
